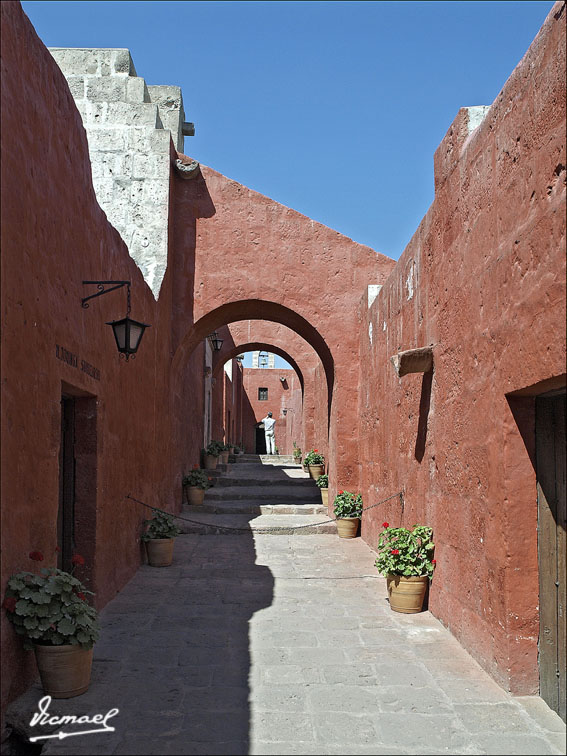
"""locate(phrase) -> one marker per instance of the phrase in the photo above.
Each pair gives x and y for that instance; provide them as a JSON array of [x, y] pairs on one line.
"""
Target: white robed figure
[[269, 423]]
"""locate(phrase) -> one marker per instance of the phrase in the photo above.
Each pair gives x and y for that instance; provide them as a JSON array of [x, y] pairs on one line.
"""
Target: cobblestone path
[[265, 644]]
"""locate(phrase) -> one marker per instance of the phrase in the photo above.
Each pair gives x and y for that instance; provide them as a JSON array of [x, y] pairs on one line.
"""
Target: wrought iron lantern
[[127, 332], [216, 342]]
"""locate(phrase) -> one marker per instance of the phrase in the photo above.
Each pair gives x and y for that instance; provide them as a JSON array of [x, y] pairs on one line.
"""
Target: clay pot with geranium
[[315, 463], [51, 611], [405, 558], [347, 508], [159, 537], [195, 484]]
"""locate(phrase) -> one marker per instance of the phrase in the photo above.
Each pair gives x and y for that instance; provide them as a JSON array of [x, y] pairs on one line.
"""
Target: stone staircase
[[259, 492]]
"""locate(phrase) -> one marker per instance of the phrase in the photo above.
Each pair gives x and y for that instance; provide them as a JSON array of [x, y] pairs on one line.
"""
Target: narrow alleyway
[[268, 643]]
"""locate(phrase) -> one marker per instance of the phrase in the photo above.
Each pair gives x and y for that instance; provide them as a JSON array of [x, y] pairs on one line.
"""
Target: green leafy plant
[[406, 552], [347, 504], [198, 478], [161, 525], [214, 448], [296, 450], [323, 481], [314, 458], [51, 608]]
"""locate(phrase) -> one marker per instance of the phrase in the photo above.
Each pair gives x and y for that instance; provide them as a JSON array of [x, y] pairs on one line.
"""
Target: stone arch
[[231, 352], [258, 309]]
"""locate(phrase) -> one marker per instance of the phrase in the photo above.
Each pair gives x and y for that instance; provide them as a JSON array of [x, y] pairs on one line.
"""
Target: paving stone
[[514, 745], [254, 644]]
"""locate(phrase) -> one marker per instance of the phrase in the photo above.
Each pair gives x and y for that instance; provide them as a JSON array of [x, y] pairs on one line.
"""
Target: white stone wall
[[129, 126]]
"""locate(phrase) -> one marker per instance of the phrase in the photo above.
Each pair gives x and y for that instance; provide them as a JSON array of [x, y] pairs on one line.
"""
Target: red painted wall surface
[[272, 263], [483, 281], [54, 236], [286, 394]]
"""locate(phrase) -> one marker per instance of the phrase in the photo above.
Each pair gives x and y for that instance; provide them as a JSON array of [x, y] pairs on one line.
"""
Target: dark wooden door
[[66, 514], [260, 439], [550, 453]]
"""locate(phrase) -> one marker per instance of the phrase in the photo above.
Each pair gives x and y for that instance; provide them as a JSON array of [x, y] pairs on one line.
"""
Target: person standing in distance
[[269, 423]]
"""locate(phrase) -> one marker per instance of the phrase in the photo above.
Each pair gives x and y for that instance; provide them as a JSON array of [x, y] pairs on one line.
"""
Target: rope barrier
[[263, 530]]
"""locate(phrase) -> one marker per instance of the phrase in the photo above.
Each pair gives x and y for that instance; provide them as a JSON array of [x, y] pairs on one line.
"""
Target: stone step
[[267, 492], [245, 524], [247, 507], [255, 480]]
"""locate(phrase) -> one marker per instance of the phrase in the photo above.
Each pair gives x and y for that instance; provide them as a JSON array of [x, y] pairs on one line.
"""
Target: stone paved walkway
[[279, 644]]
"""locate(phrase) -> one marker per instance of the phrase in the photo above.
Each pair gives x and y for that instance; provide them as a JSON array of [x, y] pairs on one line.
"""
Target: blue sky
[[332, 108]]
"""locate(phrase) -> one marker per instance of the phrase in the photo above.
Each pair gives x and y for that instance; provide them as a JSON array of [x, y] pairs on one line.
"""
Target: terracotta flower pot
[[160, 551], [194, 495], [210, 462], [297, 460], [315, 471], [347, 527], [325, 496], [406, 593], [65, 671], [224, 456]]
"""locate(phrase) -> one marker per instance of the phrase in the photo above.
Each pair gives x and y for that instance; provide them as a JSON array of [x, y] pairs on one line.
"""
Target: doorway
[[550, 469], [260, 439], [76, 516]]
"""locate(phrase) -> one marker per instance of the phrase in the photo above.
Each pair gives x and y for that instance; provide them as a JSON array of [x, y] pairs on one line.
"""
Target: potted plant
[[315, 463], [323, 483], [296, 454], [224, 453], [159, 538], [211, 455], [195, 484], [347, 508], [405, 557], [51, 612]]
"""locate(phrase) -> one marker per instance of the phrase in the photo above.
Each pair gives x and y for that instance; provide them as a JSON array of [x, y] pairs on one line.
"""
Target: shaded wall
[[129, 441], [483, 282]]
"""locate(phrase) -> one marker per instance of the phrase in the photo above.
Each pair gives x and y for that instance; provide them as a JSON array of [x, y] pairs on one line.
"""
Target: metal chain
[[263, 530]]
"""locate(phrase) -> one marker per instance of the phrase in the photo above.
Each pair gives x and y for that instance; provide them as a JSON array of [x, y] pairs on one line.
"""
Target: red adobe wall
[[483, 281], [272, 263], [54, 236], [286, 394]]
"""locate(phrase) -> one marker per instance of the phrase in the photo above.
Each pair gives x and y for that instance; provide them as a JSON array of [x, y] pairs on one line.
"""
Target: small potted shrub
[[296, 454], [211, 455], [405, 558], [315, 463], [347, 508], [224, 453], [323, 483], [159, 538], [51, 612], [195, 484]]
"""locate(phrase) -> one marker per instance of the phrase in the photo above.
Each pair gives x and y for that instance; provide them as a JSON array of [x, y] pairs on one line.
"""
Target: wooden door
[[66, 515], [550, 456]]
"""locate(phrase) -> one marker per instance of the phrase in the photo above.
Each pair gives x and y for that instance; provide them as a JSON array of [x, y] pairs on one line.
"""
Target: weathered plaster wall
[[483, 281], [54, 235]]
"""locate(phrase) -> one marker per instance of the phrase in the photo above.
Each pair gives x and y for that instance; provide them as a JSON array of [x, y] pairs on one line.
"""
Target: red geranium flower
[[77, 559], [341, 492], [395, 551], [82, 596], [195, 467], [315, 450], [37, 556], [434, 561], [385, 524], [9, 604]]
